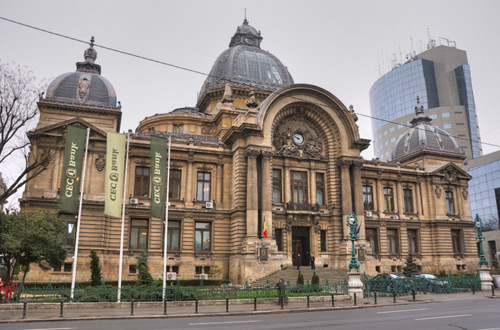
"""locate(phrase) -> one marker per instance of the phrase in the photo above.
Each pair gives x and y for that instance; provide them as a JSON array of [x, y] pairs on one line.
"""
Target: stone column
[[266, 195], [219, 177], [399, 199], [189, 182], [346, 193], [312, 184], [358, 196], [286, 187], [252, 193]]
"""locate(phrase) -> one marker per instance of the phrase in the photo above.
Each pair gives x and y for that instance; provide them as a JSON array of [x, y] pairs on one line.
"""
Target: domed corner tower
[[243, 75], [426, 145], [84, 94]]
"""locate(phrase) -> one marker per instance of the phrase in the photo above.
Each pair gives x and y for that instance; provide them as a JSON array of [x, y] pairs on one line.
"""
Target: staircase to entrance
[[291, 274]]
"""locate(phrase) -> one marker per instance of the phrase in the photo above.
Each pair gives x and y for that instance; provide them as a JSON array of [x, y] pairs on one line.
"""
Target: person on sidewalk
[[313, 266], [299, 260]]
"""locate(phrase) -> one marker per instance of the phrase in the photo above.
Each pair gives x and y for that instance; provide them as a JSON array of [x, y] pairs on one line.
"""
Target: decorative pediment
[[60, 128], [298, 139], [450, 173]]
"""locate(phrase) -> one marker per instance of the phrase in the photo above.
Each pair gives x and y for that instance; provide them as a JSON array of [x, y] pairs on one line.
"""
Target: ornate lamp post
[[478, 224], [352, 222], [484, 272], [355, 285]]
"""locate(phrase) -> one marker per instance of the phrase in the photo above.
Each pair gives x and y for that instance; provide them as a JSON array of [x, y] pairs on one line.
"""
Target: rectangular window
[[320, 188], [388, 199], [299, 187], [177, 128], [323, 240], [141, 183], [203, 188], [392, 242], [278, 232], [408, 200], [450, 202], [277, 184], [457, 241], [70, 233], [139, 234], [372, 237], [368, 198], [173, 235], [413, 241], [202, 236], [174, 192], [68, 267]]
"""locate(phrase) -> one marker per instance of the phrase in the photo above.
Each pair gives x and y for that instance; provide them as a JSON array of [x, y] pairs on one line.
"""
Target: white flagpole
[[82, 185], [165, 248], [123, 221]]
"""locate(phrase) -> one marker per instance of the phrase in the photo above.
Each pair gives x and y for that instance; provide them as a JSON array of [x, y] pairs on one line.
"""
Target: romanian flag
[[265, 228]]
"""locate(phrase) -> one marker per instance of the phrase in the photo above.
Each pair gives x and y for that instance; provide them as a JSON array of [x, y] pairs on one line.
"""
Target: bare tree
[[19, 94]]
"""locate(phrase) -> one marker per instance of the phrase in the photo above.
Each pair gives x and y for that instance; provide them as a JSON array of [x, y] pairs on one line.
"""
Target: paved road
[[478, 312]]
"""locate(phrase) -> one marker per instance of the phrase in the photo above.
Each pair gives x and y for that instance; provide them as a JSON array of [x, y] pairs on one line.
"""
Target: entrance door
[[300, 246]]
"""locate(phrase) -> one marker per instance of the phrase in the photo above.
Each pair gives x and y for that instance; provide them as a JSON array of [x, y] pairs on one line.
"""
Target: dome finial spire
[[419, 108], [245, 21]]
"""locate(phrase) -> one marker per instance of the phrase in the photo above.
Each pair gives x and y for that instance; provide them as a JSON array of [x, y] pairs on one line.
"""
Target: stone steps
[[291, 274]]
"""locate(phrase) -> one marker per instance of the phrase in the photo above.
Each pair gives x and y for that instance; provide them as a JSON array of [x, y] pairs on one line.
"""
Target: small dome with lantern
[[422, 136], [85, 86]]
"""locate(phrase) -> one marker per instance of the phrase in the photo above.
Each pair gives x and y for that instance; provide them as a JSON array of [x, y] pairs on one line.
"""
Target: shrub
[[145, 277], [315, 279], [300, 278], [95, 269]]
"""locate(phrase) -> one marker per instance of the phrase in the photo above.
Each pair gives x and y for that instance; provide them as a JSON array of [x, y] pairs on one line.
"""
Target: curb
[[213, 314]]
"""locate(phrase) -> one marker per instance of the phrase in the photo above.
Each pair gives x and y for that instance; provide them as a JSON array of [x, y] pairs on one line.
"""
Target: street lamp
[[352, 222], [478, 225]]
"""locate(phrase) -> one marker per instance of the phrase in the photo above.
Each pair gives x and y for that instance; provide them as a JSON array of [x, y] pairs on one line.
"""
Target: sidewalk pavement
[[36, 312]]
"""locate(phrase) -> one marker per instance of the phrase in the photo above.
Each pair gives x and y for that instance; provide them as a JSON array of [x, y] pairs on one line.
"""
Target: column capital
[[345, 162], [252, 153], [267, 154]]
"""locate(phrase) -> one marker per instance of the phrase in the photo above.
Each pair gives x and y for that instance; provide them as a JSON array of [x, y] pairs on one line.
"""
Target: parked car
[[388, 282], [429, 282]]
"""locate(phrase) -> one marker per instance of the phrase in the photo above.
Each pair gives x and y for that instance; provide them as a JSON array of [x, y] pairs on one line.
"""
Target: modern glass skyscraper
[[441, 78]]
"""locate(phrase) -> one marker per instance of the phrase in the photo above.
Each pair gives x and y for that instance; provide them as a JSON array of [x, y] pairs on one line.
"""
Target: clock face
[[298, 138]]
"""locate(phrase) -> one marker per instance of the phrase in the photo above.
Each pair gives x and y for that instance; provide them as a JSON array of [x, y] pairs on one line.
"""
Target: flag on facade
[[115, 163], [158, 176], [74, 150], [358, 229], [265, 228]]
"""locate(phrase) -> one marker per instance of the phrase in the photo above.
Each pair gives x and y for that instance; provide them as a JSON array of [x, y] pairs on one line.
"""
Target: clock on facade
[[298, 138]]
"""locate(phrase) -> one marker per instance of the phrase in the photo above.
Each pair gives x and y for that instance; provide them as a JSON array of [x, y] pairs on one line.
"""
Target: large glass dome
[[246, 65]]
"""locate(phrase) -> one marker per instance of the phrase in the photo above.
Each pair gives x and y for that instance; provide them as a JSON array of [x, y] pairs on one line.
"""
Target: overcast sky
[[342, 46]]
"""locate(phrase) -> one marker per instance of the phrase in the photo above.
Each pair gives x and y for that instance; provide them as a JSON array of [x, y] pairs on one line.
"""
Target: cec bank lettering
[[157, 178], [114, 176], [71, 172]]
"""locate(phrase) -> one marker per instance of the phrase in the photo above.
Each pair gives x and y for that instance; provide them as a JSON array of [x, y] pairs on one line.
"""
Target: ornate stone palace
[[257, 149]]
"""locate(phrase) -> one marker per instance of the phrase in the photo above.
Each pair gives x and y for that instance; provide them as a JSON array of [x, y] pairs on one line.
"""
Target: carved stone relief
[[100, 162], [299, 139]]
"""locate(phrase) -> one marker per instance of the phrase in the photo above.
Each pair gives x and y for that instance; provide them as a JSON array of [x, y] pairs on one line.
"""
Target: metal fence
[[108, 293], [400, 286]]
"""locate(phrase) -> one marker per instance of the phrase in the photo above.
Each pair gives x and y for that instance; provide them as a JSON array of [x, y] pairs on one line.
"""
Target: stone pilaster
[[252, 193], [346, 192], [358, 196], [266, 184], [189, 182]]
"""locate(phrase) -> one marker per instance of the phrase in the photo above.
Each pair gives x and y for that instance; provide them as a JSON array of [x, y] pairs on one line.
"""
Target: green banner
[[158, 176], [72, 169], [115, 165]]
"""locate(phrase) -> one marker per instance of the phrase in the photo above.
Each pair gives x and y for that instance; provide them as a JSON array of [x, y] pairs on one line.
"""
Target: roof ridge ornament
[[90, 55], [420, 117], [246, 35]]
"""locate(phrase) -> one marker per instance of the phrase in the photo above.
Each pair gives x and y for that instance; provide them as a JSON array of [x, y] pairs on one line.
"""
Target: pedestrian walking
[[313, 266]]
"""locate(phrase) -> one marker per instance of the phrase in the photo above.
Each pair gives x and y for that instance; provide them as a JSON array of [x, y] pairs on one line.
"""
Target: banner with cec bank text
[[74, 150], [158, 176], [115, 164]]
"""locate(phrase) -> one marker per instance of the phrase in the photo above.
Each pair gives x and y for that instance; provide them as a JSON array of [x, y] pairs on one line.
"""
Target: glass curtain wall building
[[484, 189], [441, 78]]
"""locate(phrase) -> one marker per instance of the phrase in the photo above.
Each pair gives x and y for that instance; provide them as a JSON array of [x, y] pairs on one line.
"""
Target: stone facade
[[289, 159]]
